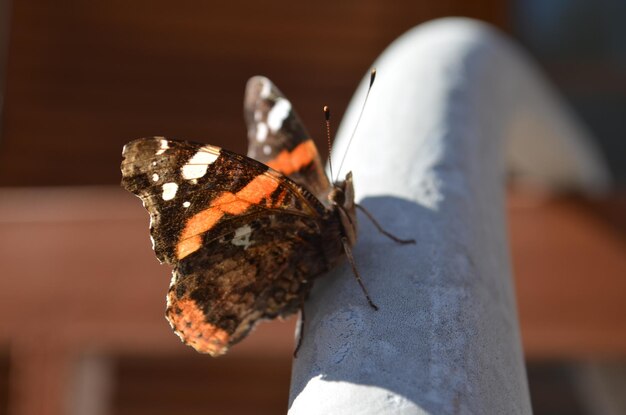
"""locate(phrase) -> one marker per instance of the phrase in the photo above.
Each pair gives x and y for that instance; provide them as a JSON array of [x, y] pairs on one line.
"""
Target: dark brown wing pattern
[[191, 189], [244, 240], [276, 137]]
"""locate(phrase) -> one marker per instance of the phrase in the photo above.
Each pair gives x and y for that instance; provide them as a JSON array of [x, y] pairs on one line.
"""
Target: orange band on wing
[[259, 188], [189, 323], [288, 162], [188, 246], [228, 203]]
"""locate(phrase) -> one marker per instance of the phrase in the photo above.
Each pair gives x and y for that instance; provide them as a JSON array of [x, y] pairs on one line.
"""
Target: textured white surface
[[429, 163]]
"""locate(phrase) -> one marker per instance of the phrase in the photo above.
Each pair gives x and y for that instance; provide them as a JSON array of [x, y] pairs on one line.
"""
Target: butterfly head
[[341, 197]]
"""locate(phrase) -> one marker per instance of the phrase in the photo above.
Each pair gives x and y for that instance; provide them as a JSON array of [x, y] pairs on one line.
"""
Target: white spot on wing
[[173, 281], [186, 204], [242, 237], [261, 132], [266, 88], [169, 191], [267, 149], [197, 165], [151, 219], [278, 114], [164, 146], [152, 242], [155, 177]]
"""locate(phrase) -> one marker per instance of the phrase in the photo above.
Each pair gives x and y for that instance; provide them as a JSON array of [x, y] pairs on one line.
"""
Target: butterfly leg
[[380, 228], [348, 250], [300, 329]]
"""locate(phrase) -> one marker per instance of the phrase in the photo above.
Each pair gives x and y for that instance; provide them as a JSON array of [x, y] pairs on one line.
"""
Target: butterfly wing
[[276, 137], [243, 239], [192, 189], [261, 270]]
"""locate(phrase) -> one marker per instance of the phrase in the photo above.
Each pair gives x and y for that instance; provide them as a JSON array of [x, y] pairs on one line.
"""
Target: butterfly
[[246, 236]]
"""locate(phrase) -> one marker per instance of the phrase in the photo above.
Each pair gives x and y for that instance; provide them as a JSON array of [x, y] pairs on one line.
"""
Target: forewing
[[276, 137], [195, 192]]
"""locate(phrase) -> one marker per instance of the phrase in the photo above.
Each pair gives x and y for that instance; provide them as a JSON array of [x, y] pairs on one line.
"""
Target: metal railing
[[454, 105]]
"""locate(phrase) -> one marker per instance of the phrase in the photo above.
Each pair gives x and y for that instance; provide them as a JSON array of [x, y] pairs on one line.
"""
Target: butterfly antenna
[[372, 78], [330, 162]]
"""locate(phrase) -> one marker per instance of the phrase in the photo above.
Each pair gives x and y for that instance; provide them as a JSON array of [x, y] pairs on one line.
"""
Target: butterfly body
[[246, 236]]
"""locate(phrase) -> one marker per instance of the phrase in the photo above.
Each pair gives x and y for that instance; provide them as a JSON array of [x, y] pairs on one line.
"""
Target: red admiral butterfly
[[246, 236]]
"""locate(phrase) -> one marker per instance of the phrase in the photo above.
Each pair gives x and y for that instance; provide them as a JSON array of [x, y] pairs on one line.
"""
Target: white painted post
[[429, 163]]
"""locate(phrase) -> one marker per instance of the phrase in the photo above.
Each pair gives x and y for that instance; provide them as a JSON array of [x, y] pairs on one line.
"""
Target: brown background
[[85, 77]]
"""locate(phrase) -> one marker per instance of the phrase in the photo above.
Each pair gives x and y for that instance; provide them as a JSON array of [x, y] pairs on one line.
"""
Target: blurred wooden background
[[84, 78], [82, 295]]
